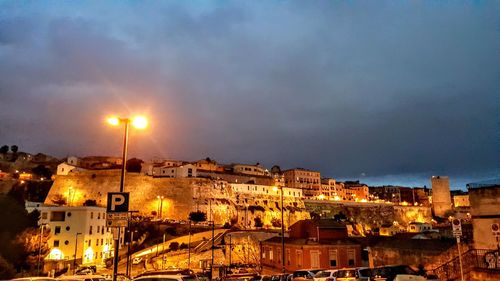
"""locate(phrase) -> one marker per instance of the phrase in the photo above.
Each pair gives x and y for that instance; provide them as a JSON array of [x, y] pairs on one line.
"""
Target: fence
[[474, 258]]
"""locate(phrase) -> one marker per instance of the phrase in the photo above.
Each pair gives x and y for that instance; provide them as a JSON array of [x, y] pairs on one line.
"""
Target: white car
[[81, 278], [167, 278], [326, 275]]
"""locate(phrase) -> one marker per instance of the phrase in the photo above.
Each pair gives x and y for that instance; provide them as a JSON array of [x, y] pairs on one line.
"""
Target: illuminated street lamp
[[160, 206], [275, 188], [138, 122]]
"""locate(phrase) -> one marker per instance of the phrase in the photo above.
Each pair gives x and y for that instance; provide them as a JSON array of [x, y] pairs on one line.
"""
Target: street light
[[283, 270], [138, 122], [76, 247], [160, 206]]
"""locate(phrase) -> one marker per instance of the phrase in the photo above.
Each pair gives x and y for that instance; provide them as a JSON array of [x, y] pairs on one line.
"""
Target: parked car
[[347, 274], [34, 279], [304, 274], [395, 273], [279, 277], [326, 275], [88, 277], [178, 271], [364, 273], [165, 278]]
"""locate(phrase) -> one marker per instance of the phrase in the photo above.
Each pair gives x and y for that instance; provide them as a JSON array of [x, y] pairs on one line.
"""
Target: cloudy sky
[[385, 92]]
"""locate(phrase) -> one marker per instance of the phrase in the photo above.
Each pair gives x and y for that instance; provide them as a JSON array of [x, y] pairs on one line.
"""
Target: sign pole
[[460, 259]]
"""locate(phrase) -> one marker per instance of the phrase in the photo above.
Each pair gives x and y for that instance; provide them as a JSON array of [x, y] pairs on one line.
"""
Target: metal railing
[[474, 258]]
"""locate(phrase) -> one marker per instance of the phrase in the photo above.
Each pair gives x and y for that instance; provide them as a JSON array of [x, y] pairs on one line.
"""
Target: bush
[[197, 216], [174, 246]]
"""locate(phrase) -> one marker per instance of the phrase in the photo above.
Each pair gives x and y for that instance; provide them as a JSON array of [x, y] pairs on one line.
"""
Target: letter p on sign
[[117, 202]]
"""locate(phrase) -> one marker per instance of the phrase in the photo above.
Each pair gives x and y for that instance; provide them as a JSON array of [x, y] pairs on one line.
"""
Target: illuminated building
[[85, 225]]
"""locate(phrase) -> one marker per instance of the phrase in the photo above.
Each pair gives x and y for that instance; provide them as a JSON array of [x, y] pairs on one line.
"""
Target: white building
[[183, 171], [64, 169], [254, 170], [80, 229], [418, 227], [265, 190]]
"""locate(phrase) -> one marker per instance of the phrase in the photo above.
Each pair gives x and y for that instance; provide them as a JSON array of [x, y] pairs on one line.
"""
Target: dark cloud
[[387, 90]]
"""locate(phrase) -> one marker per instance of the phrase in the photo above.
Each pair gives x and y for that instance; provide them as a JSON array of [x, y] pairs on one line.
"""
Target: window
[[287, 258], [91, 215], [98, 229], [351, 256], [66, 242], [298, 253], [97, 242], [90, 230], [315, 259], [56, 243], [57, 230], [57, 216], [333, 258], [44, 215], [67, 228], [271, 258]]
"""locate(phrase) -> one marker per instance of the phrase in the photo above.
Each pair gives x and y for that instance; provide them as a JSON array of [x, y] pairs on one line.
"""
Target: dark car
[[389, 273], [279, 277]]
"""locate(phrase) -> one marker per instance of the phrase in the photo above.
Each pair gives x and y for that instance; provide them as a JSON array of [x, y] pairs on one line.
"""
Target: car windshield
[[346, 273], [300, 274], [365, 272], [322, 274], [189, 278]]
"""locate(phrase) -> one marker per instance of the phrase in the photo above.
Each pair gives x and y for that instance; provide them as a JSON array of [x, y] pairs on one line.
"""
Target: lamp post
[[283, 270], [160, 209], [138, 122], [76, 247]]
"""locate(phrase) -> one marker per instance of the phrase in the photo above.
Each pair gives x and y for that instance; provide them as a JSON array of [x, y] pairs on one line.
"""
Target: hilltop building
[[307, 180], [441, 198]]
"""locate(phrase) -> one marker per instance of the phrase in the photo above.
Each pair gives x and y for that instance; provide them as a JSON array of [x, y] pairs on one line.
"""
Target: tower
[[441, 198]]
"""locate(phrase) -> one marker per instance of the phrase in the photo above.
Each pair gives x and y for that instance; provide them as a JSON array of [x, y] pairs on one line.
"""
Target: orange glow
[[113, 121], [140, 122]]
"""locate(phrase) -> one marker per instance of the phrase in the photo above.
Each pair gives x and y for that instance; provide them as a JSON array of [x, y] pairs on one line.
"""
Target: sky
[[387, 92]]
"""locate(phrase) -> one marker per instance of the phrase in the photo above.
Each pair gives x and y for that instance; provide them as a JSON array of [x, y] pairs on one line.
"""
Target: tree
[[59, 199], [340, 217], [258, 222], [134, 165], [4, 149], [174, 246], [14, 148], [32, 245], [276, 222], [42, 171], [7, 270], [90, 202], [197, 216]]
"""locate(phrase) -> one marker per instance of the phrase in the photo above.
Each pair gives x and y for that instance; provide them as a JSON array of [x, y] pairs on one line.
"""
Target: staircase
[[473, 258]]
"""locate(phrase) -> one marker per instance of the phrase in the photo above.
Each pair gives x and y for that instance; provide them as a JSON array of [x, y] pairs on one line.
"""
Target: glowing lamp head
[[275, 188], [140, 122], [113, 121]]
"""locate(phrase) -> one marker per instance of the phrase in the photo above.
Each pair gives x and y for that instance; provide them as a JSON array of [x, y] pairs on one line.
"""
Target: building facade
[[312, 244], [307, 180], [77, 229], [256, 170]]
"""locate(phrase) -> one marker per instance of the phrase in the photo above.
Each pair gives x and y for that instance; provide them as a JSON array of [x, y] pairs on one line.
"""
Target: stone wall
[[180, 197], [370, 215]]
